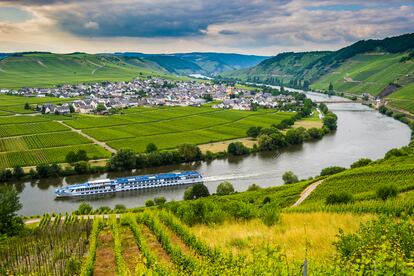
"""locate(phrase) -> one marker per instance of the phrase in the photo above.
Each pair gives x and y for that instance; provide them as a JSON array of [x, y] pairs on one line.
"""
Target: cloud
[[251, 26]]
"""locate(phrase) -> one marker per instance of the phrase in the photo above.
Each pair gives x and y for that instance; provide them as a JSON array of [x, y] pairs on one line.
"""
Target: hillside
[[367, 66], [47, 69], [199, 63]]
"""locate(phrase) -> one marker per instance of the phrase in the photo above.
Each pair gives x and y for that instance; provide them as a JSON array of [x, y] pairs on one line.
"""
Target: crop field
[[10, 105], [403, 98], [366, 73], [168, 128], [10, 159]]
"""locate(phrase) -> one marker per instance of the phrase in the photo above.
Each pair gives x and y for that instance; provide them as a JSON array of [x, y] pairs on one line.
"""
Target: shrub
[[253, 131], [224, 188], [339, 198], [149, 203], [196, 191], [160, 200], [315, 133], [289, 177], [120, 207], [396, 153], [151, 147], [361, 163], [253, 187], [269, 215], [237, 148], [332, 170], [84, 209], [387, 191]]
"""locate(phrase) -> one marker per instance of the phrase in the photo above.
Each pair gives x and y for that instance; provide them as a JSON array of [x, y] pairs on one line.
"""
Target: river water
[[362, 132]]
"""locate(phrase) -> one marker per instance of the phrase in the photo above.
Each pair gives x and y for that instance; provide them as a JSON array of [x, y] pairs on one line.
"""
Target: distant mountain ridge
[[199, 63]]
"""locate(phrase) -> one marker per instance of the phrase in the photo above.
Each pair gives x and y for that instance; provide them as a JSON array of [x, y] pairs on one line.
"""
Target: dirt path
[[105, 258], [130, 251], [99, 143], [304, 195]]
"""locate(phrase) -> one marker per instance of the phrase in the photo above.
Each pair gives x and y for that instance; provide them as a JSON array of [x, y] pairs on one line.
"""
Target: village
[[108, 97]]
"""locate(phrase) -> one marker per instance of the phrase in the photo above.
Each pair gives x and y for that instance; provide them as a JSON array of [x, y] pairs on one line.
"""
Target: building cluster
[[102, 97]]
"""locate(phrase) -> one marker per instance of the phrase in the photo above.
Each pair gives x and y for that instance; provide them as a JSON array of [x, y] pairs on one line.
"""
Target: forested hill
[[199, 63], [365, 66]]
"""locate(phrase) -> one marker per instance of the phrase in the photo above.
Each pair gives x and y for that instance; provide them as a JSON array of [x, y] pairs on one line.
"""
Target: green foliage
[[18, 172], [88, 264], [361, 163], [253, 131], [151, 147], [84, 209], [384, 246], [10, 223], [339, 198], [124, 159], [237, 148], [160, 200], [149, 203], [289, 177], [189, 152], [331, 170], [81, 167], [387, 191], [295, 136], [224, 188], [254, 187], [329, 121], [196, 191], [270, 214]]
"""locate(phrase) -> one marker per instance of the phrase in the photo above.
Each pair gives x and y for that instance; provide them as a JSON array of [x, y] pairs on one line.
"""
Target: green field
[[47, 70], [403, 98], [30, 140], [10, 105], [169, 127], [366, 73]]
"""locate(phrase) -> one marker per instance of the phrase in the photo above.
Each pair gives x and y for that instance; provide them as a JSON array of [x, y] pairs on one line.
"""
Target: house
[[62, 109], [48, 108]]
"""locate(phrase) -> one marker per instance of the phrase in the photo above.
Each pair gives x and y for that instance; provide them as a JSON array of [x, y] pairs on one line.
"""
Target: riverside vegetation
[[180, 237]]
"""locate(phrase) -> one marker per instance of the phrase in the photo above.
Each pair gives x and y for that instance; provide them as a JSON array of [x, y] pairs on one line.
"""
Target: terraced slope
[[46, 69]]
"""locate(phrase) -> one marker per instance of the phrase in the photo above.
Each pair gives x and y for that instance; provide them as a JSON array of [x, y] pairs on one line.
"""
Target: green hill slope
[[46, 69]]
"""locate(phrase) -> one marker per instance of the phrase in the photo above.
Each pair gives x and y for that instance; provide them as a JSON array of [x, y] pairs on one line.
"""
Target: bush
[[160, 200], [253, 187], [387, 191], [196, 191], [361, 163], [151, 147], [237, 148], [120, 207], [149, 203], [84, 209], [332, 170], [396, 153], [224, 188], [315, 133], [339, 198], [253, 131], [289, 177], [269, 215]]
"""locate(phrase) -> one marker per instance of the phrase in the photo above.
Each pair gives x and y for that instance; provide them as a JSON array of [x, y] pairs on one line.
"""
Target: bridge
[[338, 101]]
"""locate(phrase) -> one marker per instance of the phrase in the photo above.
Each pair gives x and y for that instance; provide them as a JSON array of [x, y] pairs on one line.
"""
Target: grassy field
[[366, 73], [169, 127], [403, 98], [10, 105], [30, 140], [47, 70]]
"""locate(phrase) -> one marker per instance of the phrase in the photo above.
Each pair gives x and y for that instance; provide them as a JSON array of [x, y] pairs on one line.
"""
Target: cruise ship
[[132, 183]]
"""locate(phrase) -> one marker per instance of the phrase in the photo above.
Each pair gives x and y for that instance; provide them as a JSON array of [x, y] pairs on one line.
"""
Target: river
[[362, 132]]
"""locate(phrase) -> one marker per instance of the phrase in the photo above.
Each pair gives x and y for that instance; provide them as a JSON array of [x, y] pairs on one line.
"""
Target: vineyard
[[10, 105]]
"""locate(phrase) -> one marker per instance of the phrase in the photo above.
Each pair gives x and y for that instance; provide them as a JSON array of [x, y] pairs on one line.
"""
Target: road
[[304, 195], [102, 144]]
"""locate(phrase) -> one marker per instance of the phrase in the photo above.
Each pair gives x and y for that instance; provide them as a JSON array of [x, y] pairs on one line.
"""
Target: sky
[[170, 26]]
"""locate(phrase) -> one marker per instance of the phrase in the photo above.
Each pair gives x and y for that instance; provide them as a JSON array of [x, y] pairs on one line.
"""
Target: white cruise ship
[[131, 183]]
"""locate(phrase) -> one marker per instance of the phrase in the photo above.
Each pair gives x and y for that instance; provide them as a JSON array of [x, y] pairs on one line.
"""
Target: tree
[[332, 170], [253, 187], [224, 188], [295, 136], [71, 108], [18, 172], [329, 120], [42, 170], [315, 133], [81, 167], [387, 191], [151, 147], [26, 106], [71, 157], [253, 131], [10, 223], [189, 152], [81, 155], [196, 191], [100, 107], [237, 148], [289, 177], [160, 200], [330, 89], [84, 209], [361, 163], [124, 159], [149, 203]]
